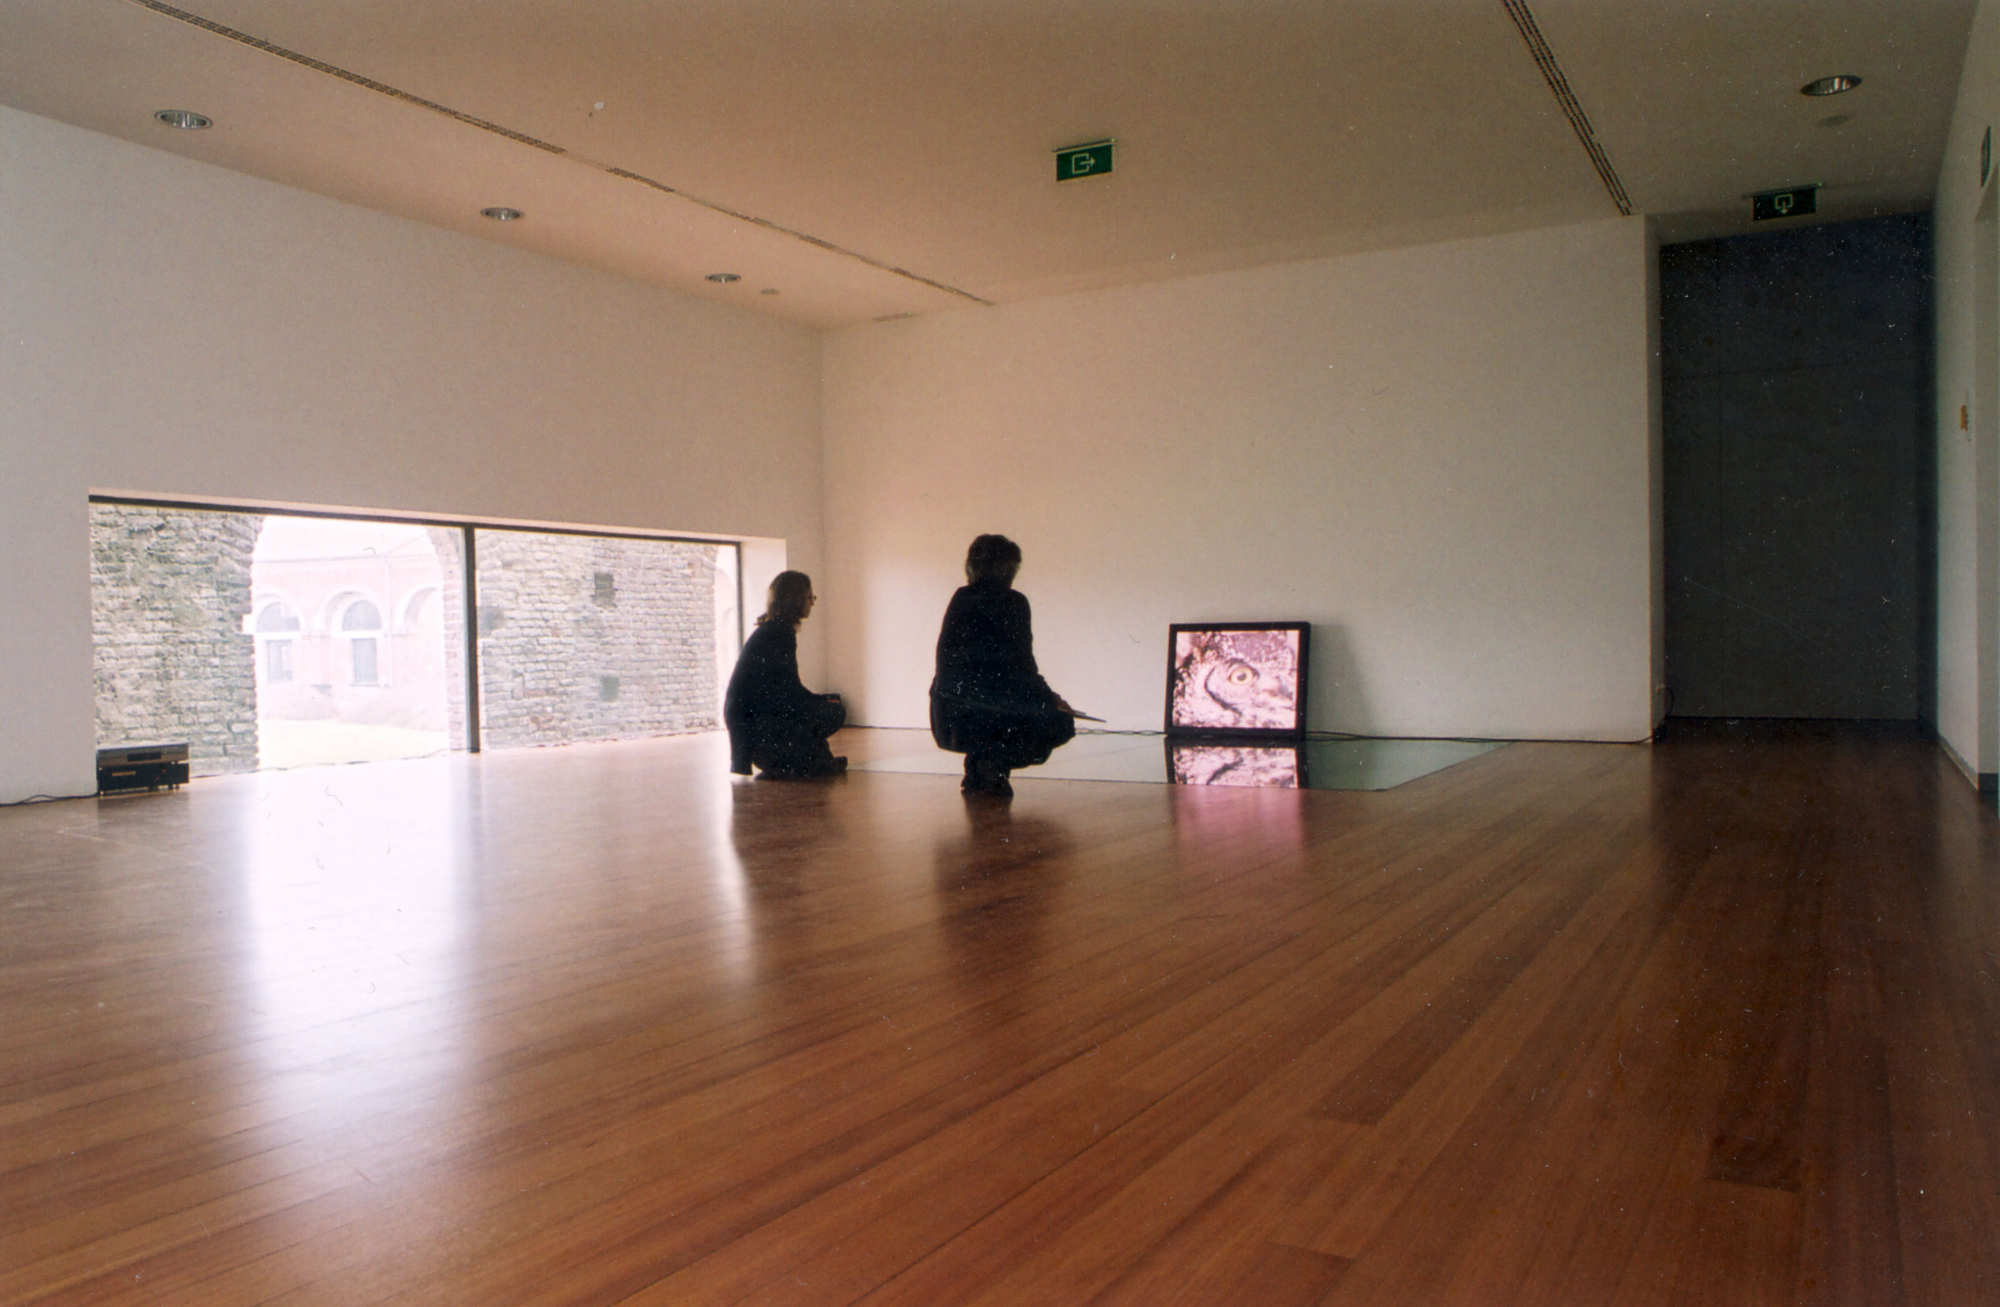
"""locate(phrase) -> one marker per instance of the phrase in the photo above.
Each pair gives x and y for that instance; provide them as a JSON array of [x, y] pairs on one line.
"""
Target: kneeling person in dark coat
[[989, 701], [774, 721]]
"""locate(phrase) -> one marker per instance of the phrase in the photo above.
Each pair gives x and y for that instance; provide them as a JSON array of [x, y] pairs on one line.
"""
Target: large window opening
[[338, 683], [287, 640], [585, 637]]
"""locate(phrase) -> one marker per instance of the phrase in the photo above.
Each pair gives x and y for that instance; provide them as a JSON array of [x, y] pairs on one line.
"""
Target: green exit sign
[[1075, 162], [1795, 203]]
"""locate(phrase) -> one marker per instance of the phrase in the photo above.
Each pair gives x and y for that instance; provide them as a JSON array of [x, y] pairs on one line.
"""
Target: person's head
[[992, 558], [789, 599]]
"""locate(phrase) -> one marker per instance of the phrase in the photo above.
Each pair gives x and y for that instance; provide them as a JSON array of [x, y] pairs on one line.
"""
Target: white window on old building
[[277, 625], [361, 623]]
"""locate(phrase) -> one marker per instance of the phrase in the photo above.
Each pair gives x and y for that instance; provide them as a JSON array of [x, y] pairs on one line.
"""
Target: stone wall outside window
[[169, 594], [594, 638]]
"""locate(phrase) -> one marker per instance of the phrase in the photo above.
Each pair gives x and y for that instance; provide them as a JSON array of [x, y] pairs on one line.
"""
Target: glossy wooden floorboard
[[1711, 1020]]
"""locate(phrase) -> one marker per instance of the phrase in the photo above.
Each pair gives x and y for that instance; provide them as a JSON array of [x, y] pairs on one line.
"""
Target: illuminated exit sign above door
[[1795, 203], [1075, 162]]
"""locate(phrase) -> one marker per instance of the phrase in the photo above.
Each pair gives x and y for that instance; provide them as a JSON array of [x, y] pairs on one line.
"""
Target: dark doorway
[[1798, 474]]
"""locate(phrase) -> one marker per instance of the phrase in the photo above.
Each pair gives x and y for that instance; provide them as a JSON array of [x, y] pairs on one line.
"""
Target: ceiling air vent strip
[[1552, 73], [307, 61], [768, 225]]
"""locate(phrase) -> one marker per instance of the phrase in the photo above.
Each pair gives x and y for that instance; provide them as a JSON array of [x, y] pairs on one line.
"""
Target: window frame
[[468, 529]]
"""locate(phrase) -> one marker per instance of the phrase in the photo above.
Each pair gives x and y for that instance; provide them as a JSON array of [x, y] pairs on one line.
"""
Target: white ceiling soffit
[[872, 158], [1700, 107]]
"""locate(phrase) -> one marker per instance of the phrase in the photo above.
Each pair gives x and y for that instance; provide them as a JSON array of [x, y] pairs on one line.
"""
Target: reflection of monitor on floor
[[1240, 681], [1276, 767]]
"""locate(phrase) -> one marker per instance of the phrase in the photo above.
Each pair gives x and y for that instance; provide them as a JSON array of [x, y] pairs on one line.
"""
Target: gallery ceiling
[[851, 160]]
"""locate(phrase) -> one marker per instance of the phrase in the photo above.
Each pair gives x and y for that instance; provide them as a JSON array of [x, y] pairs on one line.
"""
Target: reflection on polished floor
[[1704, 1021], [1354, 764]]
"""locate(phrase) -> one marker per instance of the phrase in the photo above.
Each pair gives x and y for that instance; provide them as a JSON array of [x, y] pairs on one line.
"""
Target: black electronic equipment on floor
[[141, 767]]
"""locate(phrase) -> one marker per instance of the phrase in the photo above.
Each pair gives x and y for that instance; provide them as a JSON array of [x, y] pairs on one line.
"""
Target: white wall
[[173, 329], [1968, 463], [1445, 457]]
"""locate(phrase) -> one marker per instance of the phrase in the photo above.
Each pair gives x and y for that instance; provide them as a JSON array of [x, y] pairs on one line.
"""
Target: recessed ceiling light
[[1831, 85], [185, 119], [500, 213], [724, 278]]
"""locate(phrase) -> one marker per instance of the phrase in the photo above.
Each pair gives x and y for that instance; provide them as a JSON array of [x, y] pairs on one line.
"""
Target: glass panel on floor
[[1317, 764]]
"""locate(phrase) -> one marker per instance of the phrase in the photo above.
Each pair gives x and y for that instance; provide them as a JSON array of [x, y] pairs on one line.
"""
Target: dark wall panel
[[1797, 473]]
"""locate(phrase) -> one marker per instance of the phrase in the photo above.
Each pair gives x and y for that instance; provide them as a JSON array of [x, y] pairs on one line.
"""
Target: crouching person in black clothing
[[989, 701], [774, 721]]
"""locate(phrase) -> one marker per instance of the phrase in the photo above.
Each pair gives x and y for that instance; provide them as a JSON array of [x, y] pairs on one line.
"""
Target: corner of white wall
[[1656, 456], [174, 329], [47, 742], [46, 736], [1963, 696], [1441, 455]]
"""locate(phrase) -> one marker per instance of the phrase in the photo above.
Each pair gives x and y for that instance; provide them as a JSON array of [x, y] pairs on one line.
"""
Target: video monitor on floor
[[1241, 681], [1271, 767]]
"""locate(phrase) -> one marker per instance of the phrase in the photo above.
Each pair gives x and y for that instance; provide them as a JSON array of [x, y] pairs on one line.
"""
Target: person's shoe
[[983, 777]]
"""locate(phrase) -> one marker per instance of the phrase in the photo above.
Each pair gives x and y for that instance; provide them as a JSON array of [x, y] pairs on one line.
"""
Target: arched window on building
[[361, 623], [420, 612], [277, 624]]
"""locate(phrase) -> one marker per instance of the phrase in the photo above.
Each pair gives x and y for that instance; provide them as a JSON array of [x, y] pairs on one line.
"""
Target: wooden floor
[[1708, 1021]]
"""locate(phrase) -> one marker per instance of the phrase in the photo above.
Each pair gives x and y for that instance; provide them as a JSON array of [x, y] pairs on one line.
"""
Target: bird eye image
[[1235, 680]]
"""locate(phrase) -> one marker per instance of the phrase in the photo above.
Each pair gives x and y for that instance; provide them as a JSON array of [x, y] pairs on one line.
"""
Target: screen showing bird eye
[[1245, 679]]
